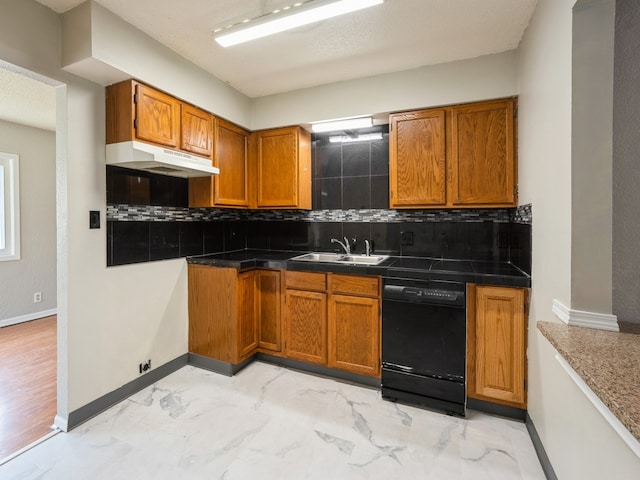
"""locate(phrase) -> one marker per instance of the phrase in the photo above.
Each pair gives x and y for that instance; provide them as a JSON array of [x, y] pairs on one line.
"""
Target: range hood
[[154, 159]]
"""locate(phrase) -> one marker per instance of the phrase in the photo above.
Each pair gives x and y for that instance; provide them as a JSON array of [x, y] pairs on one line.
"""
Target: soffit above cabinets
[[395, 36]]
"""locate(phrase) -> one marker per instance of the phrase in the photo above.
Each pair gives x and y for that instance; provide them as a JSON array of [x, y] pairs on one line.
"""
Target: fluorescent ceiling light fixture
[[363, 137], [296, 16], [343, 124]]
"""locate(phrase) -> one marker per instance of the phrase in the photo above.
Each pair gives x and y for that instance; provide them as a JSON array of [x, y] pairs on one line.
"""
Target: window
[[9, 207]]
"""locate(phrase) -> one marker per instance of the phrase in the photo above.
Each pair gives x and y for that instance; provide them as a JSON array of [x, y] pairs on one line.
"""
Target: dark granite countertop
[[608, 362], [421, 268]]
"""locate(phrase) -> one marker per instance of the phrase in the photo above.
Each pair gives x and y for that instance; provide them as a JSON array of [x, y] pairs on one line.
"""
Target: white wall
[[36, 269], [109, 319], [481, 78], [544, 149], [579, 443]]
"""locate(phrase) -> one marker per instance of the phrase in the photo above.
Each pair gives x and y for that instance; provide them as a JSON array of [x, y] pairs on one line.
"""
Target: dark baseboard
[[547, 468], [319, 370], [497, 409], [217, 366], [90, 410]]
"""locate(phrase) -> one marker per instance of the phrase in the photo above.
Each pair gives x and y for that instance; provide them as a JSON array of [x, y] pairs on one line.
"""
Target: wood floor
[[27, 383]]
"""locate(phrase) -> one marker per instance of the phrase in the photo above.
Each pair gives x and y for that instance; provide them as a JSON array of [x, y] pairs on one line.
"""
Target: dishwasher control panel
[[426, 292]]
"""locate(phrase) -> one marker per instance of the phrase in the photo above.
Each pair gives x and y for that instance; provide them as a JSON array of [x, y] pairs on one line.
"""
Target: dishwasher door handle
[[395, 366]]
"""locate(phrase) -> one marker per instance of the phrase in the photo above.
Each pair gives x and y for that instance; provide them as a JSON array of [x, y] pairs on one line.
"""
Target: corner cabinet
[[268, 309], [496, 344], [135, 111], [454, 157], [231, 187], [283, 168], [222, 314]]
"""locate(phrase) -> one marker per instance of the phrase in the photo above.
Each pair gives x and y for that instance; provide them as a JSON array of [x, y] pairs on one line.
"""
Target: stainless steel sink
[[341, 258]]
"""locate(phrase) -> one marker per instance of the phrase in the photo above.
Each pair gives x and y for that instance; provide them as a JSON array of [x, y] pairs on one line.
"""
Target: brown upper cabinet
[[283, 168], [138, 112], [231, 187], [417, 173], [458, 156], [196, 130]]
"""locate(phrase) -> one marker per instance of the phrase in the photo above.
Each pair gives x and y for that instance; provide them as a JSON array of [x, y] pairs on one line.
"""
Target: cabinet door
[[197, 130], [212, 311], [306, 326], [354, 334], [482, 156], [231, 157], [268, 309], [157, 116], [498, 337], [277, 164], [417, 168], [247, 318]]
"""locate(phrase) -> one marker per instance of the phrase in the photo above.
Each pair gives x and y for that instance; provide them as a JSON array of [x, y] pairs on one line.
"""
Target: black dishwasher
[[424, 343]]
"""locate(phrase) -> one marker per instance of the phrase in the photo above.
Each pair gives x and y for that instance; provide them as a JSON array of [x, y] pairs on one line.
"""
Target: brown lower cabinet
[[267, 301], [306, 326], [496, 344], [324, 319], [334, 320], [222, 314], [354, 333]]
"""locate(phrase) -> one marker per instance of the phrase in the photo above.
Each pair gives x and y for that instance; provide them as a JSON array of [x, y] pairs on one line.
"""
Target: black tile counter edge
[[385, 269]]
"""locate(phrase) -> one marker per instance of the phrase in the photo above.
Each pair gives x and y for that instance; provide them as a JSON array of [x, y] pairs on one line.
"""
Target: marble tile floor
[[270, 422]]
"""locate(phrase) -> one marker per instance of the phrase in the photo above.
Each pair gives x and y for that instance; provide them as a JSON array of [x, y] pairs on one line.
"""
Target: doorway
[[28, 298]]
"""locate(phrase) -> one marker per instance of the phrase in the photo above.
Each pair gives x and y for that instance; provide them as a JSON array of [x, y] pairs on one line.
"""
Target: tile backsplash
[[136, 241], [351, 175], [148, 217]]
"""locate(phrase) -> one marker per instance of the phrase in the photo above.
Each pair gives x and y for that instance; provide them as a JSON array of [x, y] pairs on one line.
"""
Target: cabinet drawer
[[355, 285], [306, 281]]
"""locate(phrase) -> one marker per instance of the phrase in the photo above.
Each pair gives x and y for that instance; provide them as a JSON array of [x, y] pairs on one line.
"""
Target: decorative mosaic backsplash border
[[131, 213], [522, 214]]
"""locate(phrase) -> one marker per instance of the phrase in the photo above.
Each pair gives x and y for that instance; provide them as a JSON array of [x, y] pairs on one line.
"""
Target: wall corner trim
[[61, 423], [580, 318]]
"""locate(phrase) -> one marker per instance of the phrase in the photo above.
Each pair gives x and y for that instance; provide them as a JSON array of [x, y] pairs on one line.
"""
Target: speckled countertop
[[608, 362]]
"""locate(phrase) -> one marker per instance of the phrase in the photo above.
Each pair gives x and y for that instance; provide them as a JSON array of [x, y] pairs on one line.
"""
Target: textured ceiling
[[26, 101], [397, 35]]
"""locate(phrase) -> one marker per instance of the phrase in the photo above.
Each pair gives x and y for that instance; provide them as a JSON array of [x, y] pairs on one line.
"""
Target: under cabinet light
[[297, 15], [342, 124], [363, 137]]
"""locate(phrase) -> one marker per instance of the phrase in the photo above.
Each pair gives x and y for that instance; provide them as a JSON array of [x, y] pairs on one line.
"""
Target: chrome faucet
[[367, 248], [345, 245]]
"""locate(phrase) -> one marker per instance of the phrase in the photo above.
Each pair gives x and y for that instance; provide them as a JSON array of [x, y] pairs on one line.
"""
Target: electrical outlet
[[37, 297], [406, 239], [144, 366]]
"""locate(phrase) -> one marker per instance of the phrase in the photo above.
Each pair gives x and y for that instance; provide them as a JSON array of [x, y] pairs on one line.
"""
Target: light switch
[[94, 219]]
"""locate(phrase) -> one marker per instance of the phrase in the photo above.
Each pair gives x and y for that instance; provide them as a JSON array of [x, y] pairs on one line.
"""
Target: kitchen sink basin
[[341, 258]]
